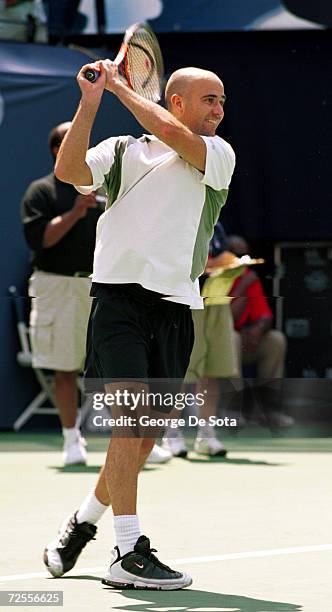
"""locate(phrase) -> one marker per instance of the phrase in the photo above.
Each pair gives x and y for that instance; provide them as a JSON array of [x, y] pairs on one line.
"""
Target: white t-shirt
[[160, 215]]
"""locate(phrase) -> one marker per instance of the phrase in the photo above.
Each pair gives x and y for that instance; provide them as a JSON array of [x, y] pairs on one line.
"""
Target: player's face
[[203, 106]]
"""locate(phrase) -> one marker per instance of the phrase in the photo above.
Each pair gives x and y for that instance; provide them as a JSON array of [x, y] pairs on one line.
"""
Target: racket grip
[[92, 75]]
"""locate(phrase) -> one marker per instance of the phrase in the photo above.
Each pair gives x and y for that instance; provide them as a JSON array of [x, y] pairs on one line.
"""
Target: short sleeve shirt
[[45, 199], [160, 215]]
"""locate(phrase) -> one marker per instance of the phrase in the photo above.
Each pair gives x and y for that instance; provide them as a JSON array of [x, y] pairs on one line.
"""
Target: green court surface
[[253, 530]]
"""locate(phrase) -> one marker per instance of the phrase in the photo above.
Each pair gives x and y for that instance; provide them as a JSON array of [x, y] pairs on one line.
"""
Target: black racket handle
[[92, 75]]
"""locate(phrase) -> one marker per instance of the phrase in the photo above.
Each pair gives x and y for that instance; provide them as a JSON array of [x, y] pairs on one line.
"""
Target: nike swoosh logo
[[138, 565]]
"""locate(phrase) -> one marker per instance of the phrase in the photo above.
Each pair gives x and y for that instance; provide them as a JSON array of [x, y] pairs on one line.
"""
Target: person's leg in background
[[59, 315], [213, 357], [67, 399], [173, 440], [271, 355], [262, 396], [270, 368], [220, 362]]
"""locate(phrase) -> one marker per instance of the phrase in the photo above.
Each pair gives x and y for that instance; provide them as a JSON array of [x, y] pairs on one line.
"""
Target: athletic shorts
[[60, 308], [214, 354], [135, 334]]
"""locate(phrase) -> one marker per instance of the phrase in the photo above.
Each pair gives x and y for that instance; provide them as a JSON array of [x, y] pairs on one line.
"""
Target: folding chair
[[44, 377]]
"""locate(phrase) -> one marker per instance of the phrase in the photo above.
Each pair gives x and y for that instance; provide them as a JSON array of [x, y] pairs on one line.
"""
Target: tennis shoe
[[210, 446], [61, 555], [176, 446], [159, 455], [74, 451], [140, 569]]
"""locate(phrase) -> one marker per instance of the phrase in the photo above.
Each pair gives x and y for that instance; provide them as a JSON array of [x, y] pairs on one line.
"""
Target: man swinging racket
[[168, 186]]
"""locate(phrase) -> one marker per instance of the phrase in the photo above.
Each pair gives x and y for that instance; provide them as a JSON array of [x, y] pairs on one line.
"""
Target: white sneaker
[[74, 452], [209, 446], [158, 455], [141, 569], [61, 554], [176, 446]]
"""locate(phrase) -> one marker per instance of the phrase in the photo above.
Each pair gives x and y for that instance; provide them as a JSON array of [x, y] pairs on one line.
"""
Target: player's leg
[[78, 529], [101, 490], [170, 332]]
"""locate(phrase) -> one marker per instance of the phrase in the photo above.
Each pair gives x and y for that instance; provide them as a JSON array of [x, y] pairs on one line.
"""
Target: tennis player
[[165, 191]]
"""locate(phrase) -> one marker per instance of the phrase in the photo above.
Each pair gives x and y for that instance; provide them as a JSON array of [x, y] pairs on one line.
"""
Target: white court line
[[294, 550]]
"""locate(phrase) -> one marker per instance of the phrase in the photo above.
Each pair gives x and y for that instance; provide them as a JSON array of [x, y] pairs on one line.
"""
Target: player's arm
[[158, 121], [71, 166]]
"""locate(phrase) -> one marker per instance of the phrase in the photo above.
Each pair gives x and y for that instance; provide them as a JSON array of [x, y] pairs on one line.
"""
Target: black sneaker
[[140, 569], [61, 554]]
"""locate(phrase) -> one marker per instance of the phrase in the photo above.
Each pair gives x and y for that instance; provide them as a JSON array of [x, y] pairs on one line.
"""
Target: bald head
[[57, 135], [182, 80]]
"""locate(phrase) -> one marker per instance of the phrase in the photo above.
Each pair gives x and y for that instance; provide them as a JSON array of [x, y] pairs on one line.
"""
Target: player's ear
[[177, 102]]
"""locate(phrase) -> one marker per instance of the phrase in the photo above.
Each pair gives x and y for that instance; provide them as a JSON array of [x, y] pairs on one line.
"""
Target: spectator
[[59, 226], [256, 341]]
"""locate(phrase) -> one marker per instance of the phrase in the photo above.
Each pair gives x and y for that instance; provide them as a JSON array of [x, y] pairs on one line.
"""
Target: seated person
[[256, 341]]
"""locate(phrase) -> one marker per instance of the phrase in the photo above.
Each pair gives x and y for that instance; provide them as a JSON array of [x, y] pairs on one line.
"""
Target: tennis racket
[[139, 62]]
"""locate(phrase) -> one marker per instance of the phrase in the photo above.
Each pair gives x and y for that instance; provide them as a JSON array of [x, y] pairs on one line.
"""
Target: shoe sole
[[142, 586]]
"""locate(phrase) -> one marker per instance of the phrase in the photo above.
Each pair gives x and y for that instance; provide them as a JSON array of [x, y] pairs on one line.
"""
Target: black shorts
[[134, 334]]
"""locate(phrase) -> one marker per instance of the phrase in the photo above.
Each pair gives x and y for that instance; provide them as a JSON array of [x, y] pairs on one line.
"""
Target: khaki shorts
[[214, 354], [60, 309]]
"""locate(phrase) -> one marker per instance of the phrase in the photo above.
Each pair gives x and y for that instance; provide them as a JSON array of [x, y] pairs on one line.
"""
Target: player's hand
[[92, 91], [83, 203], [113, 79]]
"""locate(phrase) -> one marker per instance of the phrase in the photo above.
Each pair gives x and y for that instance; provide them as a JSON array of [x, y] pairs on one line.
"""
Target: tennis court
[[254, 530]]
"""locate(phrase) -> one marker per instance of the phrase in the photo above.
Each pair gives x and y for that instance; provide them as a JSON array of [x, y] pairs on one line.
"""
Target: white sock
[[127, 532], [70, 434], [206, 431], [91, 510]]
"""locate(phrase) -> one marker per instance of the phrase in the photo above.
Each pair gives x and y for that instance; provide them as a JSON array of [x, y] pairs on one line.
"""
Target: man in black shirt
[[60, 227]]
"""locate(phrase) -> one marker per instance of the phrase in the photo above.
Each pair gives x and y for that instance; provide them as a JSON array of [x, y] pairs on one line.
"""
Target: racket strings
[[144, 65]]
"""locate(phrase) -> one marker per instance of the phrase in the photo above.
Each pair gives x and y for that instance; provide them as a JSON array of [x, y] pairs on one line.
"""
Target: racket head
[[140, 62]]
